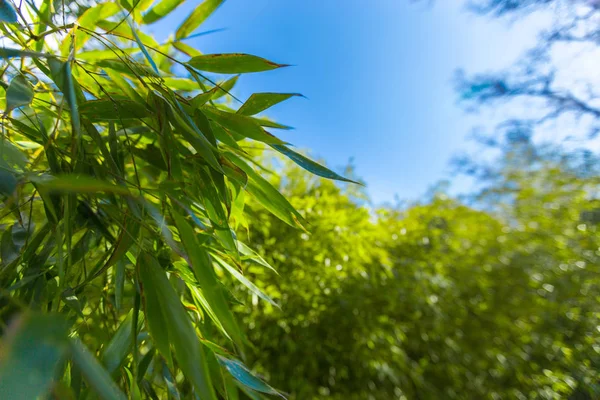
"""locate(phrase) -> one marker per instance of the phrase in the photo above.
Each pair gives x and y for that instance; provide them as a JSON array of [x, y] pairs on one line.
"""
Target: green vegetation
[[438, 299], [122, 166], [158, 242]]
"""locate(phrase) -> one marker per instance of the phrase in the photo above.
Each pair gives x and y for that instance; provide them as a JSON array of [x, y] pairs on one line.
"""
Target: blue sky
[[377, 75]]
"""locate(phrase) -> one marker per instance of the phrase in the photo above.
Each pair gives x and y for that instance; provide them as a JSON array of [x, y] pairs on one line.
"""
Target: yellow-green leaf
[[160, 10], [258, 102], [233, 63], [197, 17]]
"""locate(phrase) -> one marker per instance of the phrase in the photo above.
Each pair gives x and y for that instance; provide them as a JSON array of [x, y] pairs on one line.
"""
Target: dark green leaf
[[203, 270], [189, 353], [240, 124], [97, 377], [19, 93], [310, 165], [120, 344], [77, 184], [109, 110], [31, 351]]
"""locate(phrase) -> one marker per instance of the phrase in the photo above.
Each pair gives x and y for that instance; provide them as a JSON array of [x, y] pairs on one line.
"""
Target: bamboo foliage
[[122, 170]]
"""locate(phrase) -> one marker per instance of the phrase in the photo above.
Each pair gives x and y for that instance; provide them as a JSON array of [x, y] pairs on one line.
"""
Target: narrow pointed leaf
[[244, 281], [197, 17], [119, 345], [77, 184], [310, 165], [97, 377], [243, 375], [233, 63], [143, 48], [205, 274], [240, 124], [160, 10], [258, 102], [267, 195], [189, 353]]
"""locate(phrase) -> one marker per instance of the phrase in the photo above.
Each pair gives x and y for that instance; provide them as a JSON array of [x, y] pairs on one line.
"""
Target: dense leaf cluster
[[122, 165], [438, 300]]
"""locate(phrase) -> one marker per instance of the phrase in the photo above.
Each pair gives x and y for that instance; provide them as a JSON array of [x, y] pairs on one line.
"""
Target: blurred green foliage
[[497, 299]]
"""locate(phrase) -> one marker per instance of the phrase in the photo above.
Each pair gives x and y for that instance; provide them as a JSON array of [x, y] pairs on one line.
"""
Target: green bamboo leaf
[[13, 53], [8, 182], [244, 281], [19, 93], [203, 270], [31, 351], [113, 110], [310, 165], [89, 19], [254, 256], [161, 10], [189, 353], [97, 377], [267, 195], [197, 17], [77, 184], [120, 344], [7, 12], [240, 124], [234, 63], [258, 102], [61, 75], [129, 67], [223, 88], [271, 124], [155, 312], [142, 47], [243, 375]]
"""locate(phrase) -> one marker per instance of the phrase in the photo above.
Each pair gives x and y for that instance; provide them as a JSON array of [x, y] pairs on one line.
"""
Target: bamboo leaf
[[7, 12], [31, 352], [77, 184], [258, 102], [243, 375], [197, 17], [234, 63], [142, 47], [310, 165], [19, 93], [267, 195], [244, 281], [160, 10], [203, 270], [189, 353], [97, 377], [240, 124], [120, 344], [113, 110]]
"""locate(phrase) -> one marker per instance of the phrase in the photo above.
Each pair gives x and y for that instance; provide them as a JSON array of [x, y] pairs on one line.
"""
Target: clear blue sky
[[377, 75]]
